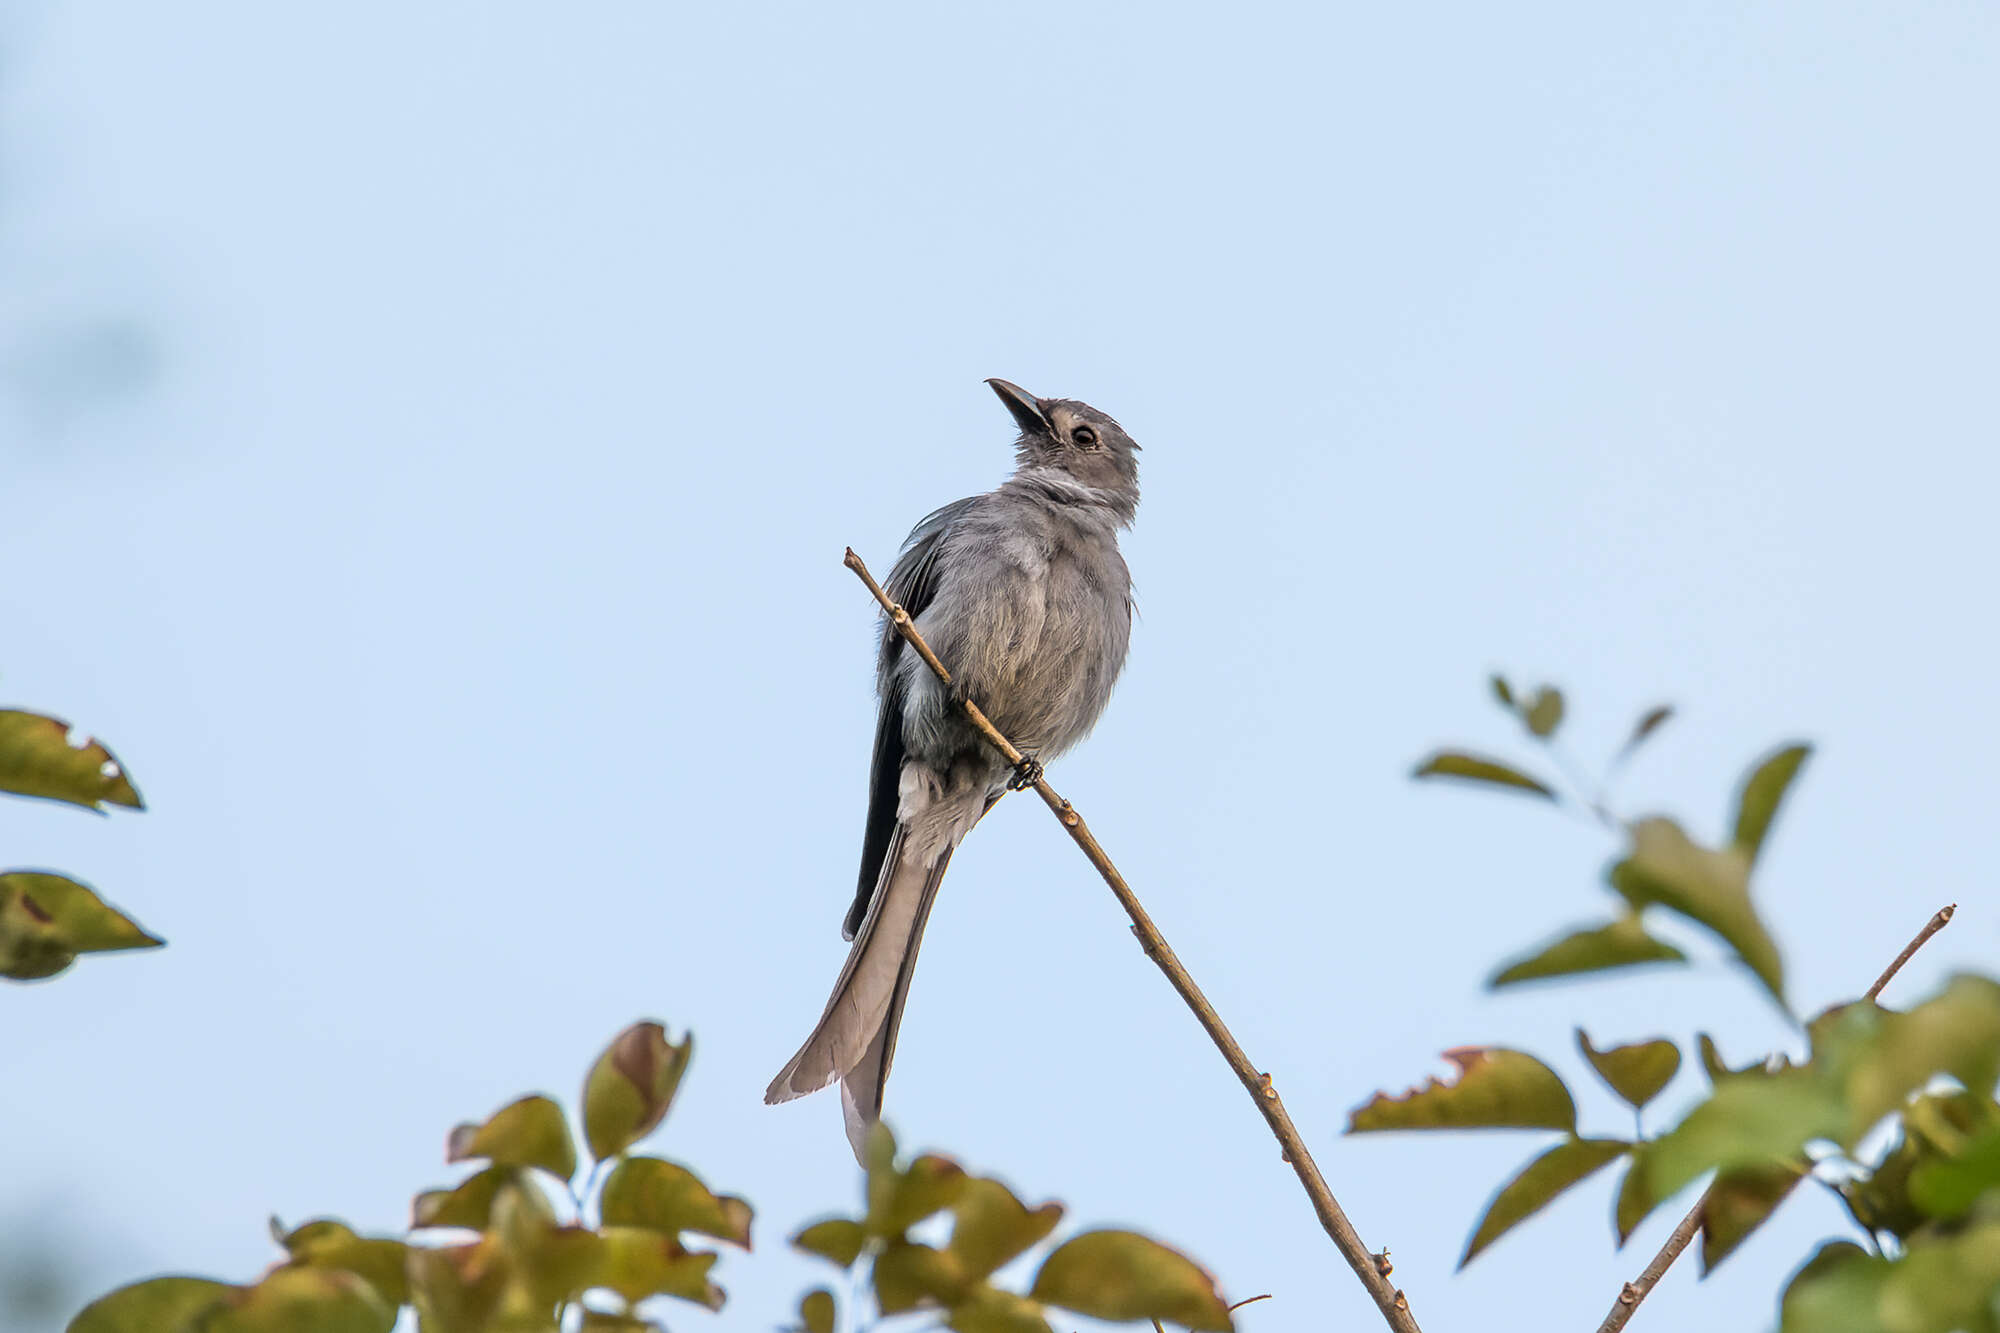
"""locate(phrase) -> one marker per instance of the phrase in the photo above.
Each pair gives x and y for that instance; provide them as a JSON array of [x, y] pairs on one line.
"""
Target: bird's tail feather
[[855, 1038]]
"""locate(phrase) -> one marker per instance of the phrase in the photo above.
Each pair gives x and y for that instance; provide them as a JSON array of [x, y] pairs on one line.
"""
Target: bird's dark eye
[[1085, 437]]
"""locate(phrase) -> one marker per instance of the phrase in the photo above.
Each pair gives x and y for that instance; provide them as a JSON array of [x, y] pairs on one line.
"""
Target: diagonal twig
[[1637, 1290], [1394, 1308]]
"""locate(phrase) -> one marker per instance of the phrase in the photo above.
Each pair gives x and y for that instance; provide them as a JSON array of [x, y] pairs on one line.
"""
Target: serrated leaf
[[1544, 712], [632, 1086], [1495, 1089], [1763, 791], [908, 1275], [1738, 1202], [1637, 1072], [1538, 1183], [37, 759], [47, 920], [468, 1204], [837, 1239], [928, 1185], [1475, 768], [157, 1305], [1708, 887], [1121, 1275], [329, 1243], [527, 1132], [647, 1192], [1619, 943], [991, 1226], [640, 1262], [302, 1300], [816, 1311], [991, 1310]]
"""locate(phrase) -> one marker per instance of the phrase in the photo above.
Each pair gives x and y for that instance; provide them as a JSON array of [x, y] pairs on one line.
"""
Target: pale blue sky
[[465, 592]]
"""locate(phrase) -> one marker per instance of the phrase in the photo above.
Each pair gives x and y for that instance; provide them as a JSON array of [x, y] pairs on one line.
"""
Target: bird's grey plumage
[[1024, 597]]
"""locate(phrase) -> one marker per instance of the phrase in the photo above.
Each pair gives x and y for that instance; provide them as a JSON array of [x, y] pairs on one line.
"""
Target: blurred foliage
[[544, 1238], [46, 919], [1920, 1081]]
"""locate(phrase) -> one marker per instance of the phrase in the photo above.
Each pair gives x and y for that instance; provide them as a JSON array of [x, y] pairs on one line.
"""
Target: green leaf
[[1708, 887], [1763, 791], [1637, 1072], [1502, 690], [1495, 1089], [47, 920], [37, 759], [1948, 1186], [992, 1226], [640, 1262], [527, 1132], [1654, 719], [599, 1321], [302, 1300], [1634, 1204], [1544, 712], [816, 1311], [1737, 1203], [1881, 1057], [838, 1239], [1568, 1163], [928, 1185], [457, 1289], [1473, 768], [1711, 1060], [908, 1275], [1121, 1275], [631, 1087], [1620, 943], [1944, 1282], [157, 1305], [328, 1243], [468, 1204], [989, 1310], [1750, 1120], [647, 1192]]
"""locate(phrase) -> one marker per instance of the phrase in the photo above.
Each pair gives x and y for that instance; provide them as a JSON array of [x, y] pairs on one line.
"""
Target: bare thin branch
[[1635, 1291], [1931, 927], [1395, 1310]]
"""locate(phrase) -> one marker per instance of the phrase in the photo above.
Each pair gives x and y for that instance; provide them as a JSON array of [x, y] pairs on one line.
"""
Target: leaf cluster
[[47, 919]]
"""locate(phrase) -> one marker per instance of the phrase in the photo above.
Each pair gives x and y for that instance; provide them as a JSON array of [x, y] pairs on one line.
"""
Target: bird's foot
[[1026, 773]]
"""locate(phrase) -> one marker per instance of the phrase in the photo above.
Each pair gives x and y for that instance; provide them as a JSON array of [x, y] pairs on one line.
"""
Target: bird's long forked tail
[[855, 1039]]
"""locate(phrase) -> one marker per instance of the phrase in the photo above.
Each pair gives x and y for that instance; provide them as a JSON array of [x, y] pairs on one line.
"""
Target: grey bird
[[1024, 597]]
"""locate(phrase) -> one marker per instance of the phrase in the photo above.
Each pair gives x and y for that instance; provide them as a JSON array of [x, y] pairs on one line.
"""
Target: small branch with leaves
[[1395, 1309]]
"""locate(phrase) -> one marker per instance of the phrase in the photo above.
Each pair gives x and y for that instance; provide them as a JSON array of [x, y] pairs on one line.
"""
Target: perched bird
[[1024, 597]]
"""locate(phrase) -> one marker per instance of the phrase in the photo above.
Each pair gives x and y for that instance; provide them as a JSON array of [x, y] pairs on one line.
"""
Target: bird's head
[[1074, 439]]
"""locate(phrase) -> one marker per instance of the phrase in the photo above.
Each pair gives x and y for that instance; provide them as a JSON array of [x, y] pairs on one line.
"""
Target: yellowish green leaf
[[1708, 887], [157, 1305], [641, 1262], [990, 1310], [1763, 792], [838, 1239], [1568, 1163], [647, 1192], [1495, 1089], [47, 920], [1544, 712], [37, 759], [1738, 1202], [908, 1275], [1476, 768], [302, 1300], [527, 1132], [991, 1226], [1948, 1186], [467, 1204], [1619, 943], [1121, 1275], [1637, 1072], [631, 1087], [816, 1311], [328, 1243], [928, 1185]]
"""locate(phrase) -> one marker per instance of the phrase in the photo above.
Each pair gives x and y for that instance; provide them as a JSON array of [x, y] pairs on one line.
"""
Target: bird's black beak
[[1027, 408]]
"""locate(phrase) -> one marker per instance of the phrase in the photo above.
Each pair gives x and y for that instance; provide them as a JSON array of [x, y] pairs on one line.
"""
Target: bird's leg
[[1026, 773]]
